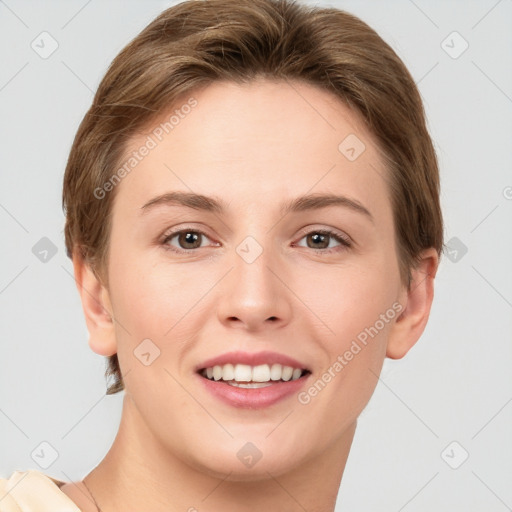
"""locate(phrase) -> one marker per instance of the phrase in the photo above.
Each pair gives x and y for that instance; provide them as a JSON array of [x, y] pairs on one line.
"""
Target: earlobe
[[97, 308], [416, 301]]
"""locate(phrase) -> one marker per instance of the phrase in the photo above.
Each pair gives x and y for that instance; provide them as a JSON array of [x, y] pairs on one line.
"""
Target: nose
[[254, 295]]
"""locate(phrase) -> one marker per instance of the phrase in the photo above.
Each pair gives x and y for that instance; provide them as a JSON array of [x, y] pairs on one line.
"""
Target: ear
[[97, 308], [416, 302]]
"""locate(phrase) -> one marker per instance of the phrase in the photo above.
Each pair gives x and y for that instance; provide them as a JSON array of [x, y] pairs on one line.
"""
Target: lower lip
[[253, 398]]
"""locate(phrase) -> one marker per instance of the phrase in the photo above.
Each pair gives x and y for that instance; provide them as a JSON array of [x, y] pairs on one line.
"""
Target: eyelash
[[344, 241]]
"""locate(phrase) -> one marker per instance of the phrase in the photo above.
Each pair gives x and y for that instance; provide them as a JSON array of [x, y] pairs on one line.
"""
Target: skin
[[254, 146]]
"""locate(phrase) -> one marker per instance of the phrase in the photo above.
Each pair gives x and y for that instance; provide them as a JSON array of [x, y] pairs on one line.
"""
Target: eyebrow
[[219, 206]]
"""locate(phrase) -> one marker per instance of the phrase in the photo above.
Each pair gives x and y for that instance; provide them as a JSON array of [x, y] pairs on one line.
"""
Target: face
[[253, 275]]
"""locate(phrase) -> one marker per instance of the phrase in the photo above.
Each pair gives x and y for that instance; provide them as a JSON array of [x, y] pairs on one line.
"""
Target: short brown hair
[[196, 43]]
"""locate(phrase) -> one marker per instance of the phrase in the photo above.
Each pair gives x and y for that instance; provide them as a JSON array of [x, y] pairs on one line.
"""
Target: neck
[[139, 474]]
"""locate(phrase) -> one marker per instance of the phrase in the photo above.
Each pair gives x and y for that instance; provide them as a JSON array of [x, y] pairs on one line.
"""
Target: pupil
[[190, 238], [319, 237]]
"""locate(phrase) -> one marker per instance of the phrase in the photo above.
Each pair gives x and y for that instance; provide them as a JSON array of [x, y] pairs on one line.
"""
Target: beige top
[[33, 491]]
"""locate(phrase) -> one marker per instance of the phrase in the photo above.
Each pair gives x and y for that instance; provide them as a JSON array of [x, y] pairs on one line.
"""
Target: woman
[[252, 212]]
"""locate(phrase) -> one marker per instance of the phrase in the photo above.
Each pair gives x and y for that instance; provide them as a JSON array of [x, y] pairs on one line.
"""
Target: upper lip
[[252, 359]]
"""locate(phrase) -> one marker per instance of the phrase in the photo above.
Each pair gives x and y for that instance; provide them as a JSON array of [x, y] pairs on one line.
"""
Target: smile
[[246, 376]]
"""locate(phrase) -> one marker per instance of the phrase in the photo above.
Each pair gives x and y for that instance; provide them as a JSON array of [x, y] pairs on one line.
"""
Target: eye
[[322, 239], [186, 239]]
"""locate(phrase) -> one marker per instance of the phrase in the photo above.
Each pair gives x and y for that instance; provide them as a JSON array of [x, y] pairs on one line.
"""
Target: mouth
[[252, 377], [252, 380]]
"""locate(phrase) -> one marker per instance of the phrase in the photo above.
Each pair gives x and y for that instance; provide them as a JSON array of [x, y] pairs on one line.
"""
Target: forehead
[[271, 140]]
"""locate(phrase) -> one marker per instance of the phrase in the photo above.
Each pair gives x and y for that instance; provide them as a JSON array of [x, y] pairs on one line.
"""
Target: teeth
[[252, 376], [217, 372], [228, 372], [287, 373], [243, 373], [249, 385], [296, 374], [261, 373], [275, 372]]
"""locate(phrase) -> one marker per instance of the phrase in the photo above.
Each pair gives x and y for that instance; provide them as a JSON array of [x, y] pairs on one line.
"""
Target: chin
[[246, 461]]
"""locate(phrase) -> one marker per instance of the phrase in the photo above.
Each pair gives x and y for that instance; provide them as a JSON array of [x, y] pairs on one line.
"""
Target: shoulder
[[25, 491]]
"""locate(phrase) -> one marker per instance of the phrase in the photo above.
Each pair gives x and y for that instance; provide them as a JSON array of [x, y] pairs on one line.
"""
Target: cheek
[[154, 297], [359, 313], [156, 307], [349, 299], [339, 391]]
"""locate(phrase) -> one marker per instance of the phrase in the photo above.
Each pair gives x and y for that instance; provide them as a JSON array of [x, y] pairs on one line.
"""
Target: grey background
[[454, 385]]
